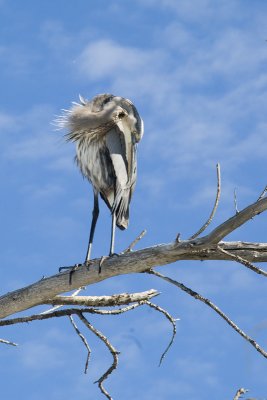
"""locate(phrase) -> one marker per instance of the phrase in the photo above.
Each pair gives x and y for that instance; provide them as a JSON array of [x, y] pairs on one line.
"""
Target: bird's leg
[[111, 251], [112, 241], [92, 231], [93, 225]]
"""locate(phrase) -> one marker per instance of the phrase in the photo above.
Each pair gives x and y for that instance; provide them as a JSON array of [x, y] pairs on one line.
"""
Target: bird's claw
[[113, 254], [72, 270], [103, 258]]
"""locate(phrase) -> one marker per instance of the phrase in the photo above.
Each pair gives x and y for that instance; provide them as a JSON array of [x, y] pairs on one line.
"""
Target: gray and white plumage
[[106, 131]]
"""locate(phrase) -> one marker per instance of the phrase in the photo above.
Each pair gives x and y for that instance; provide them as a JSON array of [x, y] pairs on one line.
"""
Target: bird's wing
[[130, 149], [122, 154], [117, 150]]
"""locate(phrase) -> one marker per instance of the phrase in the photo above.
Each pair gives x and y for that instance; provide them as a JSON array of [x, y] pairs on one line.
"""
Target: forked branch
[[215, 308], [203, 248], [208, 247]]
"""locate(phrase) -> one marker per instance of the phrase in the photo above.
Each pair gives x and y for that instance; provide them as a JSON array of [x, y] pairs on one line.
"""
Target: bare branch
[[239, 393], [83, 339], [138, 261], [172, 321], [242, 261], [236, 221], [217, 199], [60, 305], [112, 351], [118, 311], [133, 262], [214, 307], [66, 312], [8, 342], [103, 301], [131, 246], [73, 311]]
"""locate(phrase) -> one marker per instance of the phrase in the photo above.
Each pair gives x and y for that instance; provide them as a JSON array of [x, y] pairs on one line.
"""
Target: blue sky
[[197, 74]]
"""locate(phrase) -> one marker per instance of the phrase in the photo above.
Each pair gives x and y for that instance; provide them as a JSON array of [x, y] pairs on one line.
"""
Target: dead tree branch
[[203, 248], [208, 247], [131, 246], [4, 341], [197, 296], [239, 393], [236, 221], [172, 321], [111, 349], [244, 262], [83, 339], [104, 301], [75, 293], [263, 193], [235, 201]]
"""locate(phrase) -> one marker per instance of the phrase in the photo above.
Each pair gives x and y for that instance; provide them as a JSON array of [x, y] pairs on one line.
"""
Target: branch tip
[[216, 203], [134, 242], [235, 201], [263, 193], [240, 392]]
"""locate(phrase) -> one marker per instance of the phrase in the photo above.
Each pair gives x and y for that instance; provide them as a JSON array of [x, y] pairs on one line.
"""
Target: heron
[[106, 130]]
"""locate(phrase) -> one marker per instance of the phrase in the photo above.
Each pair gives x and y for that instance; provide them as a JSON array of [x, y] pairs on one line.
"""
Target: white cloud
[[186, 122], [132, 71], [106, 58], [34, 138]]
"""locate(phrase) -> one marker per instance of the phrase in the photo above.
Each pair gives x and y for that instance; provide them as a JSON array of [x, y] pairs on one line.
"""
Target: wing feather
[[122, 154]]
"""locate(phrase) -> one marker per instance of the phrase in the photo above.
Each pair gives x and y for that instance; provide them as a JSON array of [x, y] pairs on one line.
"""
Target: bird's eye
[[121, 115], [106, 100]]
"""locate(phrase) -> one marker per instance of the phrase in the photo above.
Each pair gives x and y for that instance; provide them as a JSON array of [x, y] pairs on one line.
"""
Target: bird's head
[[122, 109], [132, 118], [99, 114]]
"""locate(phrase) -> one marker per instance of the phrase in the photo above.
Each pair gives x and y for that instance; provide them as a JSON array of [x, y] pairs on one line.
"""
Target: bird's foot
[[74, 268], [114, 255], [103, 258]]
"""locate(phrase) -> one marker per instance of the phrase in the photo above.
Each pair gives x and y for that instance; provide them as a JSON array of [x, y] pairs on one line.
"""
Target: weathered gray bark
[[204, 248]]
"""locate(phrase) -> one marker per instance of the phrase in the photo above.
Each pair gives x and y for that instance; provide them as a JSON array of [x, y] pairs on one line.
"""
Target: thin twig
[[134, 242], [84, 342], [69, 311], [235, 202], [172, 321], [242, 261], [8, 342], [214, 307], [118, 311], [239, 393], [64, 313], [112, 350], [263, 193], [217, 199]]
